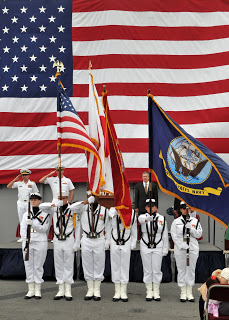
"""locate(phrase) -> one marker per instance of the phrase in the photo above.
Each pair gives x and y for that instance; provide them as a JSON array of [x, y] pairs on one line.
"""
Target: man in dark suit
[[142, 193]]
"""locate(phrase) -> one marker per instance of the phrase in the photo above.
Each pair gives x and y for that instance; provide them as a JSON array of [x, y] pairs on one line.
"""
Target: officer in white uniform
[[121, 243], [39, 222], [186, 229], [25, 188], [153, 246], [93, 244], [66, 242], [66, 184]]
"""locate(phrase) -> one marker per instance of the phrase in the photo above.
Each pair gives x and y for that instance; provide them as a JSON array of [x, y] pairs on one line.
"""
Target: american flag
[[71, 132], [178, 49]]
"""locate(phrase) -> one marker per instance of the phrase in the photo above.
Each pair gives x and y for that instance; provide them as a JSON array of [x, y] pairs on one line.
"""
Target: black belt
[[120, 241], [93, 235], [66, 235]]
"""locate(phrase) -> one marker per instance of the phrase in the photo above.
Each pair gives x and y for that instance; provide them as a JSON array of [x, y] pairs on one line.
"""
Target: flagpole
[[60, 190], [59, 65], [150, 183]]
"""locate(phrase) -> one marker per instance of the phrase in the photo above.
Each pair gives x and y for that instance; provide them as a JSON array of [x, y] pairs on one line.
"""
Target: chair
[[218, 292]]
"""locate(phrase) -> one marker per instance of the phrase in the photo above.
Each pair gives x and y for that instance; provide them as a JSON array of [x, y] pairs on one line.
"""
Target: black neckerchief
[[35, 214]]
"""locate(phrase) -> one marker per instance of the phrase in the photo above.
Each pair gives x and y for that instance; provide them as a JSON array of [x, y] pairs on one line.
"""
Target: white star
[[6, 69], [62, 49], [23, 10], [52, 58], [52, 78], [43, 88], [6, 49], [23, 29], [33, 58], [15, 39], [32, 19], [5, 88], [43, 68], [24, 88], [5, 10], [43, 48], [61, 9], [52, 19], [14, 20], [42, 28], [24, 48], [42, 9], [5, 30], [24, 68], [15, 59], [33, 39], [62, 70], [61, 29], [14, 78], [33, 78], [52, 39]]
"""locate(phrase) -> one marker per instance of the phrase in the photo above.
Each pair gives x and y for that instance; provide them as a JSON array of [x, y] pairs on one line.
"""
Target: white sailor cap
[[153, 202], [25, 171], [35, 195]]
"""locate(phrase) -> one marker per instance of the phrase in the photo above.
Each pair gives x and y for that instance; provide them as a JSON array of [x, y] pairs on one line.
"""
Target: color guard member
[[153, 247]]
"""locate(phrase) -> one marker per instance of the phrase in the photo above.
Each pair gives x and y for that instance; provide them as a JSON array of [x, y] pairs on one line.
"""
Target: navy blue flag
[[185, 168]]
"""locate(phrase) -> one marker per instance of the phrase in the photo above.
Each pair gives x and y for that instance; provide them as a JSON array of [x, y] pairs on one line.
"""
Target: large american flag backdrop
[[178, 49]]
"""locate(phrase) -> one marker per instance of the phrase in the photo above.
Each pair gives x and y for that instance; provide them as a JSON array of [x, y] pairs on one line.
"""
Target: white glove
[[149, 218], [133, 246], [113, 212], [184, 246], [107, 245], [29, 222], [91, 199], [58, 203], [164, 254], [75, 247]]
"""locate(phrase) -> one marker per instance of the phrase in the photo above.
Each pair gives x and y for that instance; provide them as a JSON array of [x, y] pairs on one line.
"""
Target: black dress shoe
[[183, 300], [37, 297], [124, 300], [27, 297], [97, 298], [191, 300], [157, 299], [86, 298], [115, 299], [68, 298], [58, 297], [149, 299]]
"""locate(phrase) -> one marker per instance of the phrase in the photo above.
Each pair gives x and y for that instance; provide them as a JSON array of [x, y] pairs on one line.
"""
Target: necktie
[[146, 189]]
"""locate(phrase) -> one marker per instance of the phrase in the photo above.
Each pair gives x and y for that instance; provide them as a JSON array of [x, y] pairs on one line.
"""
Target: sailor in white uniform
[[66, 242], [185, 231], [153, 246], [25, 188], [122, 241], [94, 242], [39, 222]]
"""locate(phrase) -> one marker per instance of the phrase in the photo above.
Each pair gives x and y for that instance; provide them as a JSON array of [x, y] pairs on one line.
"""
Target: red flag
[[121, 186]]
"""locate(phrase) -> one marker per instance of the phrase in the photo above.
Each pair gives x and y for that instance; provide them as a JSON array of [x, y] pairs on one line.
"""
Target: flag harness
[[154, 244]]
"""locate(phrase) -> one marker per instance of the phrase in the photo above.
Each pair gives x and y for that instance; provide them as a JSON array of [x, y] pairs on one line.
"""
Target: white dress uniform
[[66, 185], [38, 244], [186, 274], [121, 243], [93, 248], [152, 257], [64, 249], [24, 191]]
